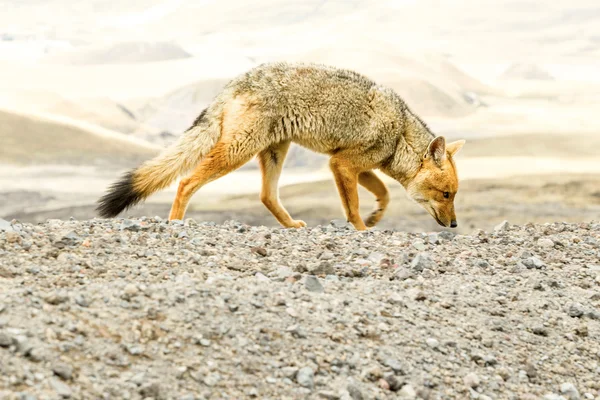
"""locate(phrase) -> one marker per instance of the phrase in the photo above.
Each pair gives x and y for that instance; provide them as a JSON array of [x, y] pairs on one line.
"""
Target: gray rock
[[289, 372], [502, 227], [284, 272], [422, 261], [82, 301], [576, 310], [472, 380], [312, 284], [323, 268], [305, 377], [569, 391], [395, 365], [407, 392], [328, 395], [530, 370], [403, 274], [376, 257], [61, 388], [24, 345], [63, 370], [5, 226], [446, 235], [27, 396], [490, 360], [533, 262], [553, 396], [130, 225], [212, 379], [545, 243], [433, 343], [135, 350], [297, 331], [261, 277], [419, 245], [540, 330], [152, 389], [5, 340], [70, 239], [393, 382], [355, 392], [56, 298], [138, 379], [433, 238]]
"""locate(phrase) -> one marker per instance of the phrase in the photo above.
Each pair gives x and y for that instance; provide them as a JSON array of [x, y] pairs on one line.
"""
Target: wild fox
[[361, 125]]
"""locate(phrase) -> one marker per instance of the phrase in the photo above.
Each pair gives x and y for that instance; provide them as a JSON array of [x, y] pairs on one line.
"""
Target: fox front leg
[[346, 180], [373, 184]]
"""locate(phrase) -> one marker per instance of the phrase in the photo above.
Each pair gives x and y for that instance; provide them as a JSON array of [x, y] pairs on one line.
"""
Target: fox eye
[[446, 195]]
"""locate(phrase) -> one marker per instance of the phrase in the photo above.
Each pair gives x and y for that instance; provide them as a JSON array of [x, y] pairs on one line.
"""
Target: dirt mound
[[30, 139]]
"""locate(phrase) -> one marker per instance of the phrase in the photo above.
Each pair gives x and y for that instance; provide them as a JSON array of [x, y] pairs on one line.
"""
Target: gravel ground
[[145, 309]]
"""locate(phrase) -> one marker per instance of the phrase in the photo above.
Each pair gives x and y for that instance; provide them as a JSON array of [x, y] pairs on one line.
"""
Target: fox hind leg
[[220, 161], [271, 163], [370, 181]]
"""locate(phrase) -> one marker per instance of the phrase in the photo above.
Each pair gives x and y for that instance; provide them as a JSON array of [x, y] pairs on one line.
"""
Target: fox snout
[[442, 210], [443, 214]]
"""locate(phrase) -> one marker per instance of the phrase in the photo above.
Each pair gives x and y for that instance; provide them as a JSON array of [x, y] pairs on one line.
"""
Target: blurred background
[[89, 89]]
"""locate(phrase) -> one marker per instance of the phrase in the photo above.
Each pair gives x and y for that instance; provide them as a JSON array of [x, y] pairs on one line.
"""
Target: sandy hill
[[527, 72], [100, 111], [176, 111], [121, 53], [30, 139]]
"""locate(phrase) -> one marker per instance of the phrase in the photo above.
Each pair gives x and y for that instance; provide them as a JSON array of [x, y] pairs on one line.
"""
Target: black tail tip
[[121, 195]]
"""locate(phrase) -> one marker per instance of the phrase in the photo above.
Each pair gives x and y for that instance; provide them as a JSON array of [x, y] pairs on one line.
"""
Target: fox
[[362, 126]]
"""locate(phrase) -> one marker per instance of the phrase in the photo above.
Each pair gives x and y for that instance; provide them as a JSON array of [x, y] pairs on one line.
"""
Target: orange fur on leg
[[373, 184], [346, 179], [271, 163], [217, 163]]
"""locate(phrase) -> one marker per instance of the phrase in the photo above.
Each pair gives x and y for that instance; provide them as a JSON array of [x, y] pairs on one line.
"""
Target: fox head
[[436, 183]]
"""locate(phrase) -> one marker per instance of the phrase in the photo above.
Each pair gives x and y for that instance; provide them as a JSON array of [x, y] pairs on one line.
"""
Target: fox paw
[[297, 223], [374, 218]]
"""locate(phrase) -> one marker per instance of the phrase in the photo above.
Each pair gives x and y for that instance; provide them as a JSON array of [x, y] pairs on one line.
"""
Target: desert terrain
[[83, 101], [212, 307]]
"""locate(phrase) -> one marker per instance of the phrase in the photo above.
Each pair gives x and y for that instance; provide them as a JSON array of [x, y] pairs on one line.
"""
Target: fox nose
[[453, 224]]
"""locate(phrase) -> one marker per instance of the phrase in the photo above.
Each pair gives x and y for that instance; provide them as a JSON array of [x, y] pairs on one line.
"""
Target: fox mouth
[[432, 211], [437, 219]]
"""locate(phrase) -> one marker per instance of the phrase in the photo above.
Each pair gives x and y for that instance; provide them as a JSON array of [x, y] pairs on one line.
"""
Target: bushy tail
[[160, 172]]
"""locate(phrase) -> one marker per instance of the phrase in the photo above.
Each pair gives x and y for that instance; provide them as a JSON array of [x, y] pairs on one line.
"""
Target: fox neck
[[412, 146]]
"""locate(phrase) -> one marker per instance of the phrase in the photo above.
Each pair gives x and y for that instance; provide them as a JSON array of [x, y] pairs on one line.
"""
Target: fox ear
[[454, 147], [437, 150]]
